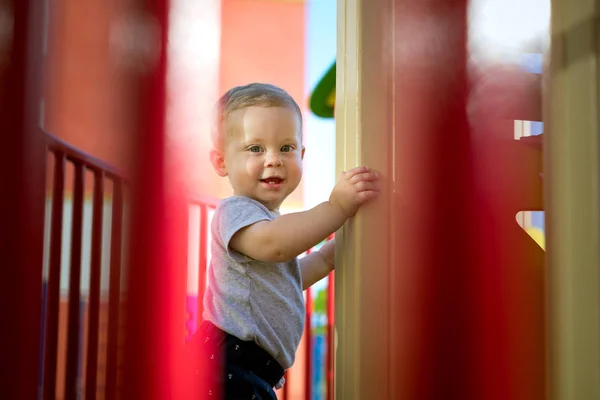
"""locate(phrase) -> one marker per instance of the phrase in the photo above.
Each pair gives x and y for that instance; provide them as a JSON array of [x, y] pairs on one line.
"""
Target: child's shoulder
[[239, 203], [241, 200], [236, 212]]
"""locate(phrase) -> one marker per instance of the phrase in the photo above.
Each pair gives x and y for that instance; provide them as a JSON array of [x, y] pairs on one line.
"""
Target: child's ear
[[218, 162], [303, 150]]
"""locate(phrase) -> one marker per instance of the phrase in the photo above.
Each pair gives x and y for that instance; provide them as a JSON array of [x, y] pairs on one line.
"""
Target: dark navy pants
[[234, 369]]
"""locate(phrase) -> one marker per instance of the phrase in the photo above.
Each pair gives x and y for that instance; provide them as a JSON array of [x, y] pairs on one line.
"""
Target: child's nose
[[273, 160]]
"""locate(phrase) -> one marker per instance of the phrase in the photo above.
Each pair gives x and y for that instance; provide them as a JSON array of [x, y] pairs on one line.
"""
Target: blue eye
[[286, 148], [254, 149]]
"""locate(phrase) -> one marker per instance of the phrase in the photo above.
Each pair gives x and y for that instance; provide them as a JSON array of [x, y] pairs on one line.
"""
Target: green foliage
[[320, 303]]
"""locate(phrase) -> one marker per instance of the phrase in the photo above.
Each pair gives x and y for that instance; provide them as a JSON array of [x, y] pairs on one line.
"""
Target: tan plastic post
[[362, 328], [572, 193]]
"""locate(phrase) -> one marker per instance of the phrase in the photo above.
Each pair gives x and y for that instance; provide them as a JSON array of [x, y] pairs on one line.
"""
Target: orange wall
[[87, 102], [263, 41]]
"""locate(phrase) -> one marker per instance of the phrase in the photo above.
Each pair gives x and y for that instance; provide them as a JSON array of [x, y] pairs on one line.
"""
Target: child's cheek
[[253, 165], [293, 156]]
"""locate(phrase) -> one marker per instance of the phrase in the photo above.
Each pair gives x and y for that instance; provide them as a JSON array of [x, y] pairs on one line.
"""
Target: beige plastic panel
[[362, 258], [572, 192]]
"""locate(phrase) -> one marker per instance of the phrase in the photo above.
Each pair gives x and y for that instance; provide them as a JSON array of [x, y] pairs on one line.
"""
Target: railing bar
[[286, 386], [95, 168], [71, 388], [114, 292], [51, 345], [202, 260], [76, 155], [94, 295], [308, 348]]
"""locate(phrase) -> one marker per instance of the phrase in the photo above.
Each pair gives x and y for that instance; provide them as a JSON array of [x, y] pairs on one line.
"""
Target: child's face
[[263, 153]]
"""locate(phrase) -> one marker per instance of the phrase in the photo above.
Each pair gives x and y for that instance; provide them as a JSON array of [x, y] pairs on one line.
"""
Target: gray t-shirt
[[250, 299]]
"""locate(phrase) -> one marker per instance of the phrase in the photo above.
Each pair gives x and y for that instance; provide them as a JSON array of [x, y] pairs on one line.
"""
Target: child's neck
[[273, 210]]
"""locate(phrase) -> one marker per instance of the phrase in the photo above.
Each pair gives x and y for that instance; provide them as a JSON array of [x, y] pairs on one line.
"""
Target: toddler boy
[[253, 306]]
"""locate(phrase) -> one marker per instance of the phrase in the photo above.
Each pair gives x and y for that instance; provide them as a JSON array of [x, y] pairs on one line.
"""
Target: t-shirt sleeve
[[233, 214]]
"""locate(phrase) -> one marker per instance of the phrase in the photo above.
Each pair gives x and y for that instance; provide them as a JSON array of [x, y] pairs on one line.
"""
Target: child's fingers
[[367, 195], [355, 171], [366, 186], [365, 176]]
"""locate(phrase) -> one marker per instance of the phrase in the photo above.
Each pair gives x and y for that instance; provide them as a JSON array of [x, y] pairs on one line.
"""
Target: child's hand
[[355, 187]]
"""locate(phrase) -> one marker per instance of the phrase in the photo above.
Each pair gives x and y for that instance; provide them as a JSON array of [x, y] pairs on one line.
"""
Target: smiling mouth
[[272, 181]]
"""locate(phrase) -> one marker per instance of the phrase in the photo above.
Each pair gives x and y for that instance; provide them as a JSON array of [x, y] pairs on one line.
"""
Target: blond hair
[[253, 94]]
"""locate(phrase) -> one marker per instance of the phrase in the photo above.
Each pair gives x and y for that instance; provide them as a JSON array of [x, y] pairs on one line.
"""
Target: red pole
[[22, 177], [433, 203], [71, 387], [94, 294], [309, 347], [53, 291], [510, 277], [157, 265], [114, 299], [286, 388], [472, 317], [202, 260]]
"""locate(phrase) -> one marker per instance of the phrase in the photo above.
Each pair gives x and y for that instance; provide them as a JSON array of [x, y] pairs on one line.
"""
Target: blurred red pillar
[[22, 196], [478, 277], [510, 282], [155, 305], [436, 198]]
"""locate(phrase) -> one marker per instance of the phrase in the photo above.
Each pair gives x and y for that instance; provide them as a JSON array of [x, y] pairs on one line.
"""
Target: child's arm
[[288, 236], [318, 264]]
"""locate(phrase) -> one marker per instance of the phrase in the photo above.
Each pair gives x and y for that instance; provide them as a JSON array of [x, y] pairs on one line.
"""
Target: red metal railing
[[62, 154], [90, 353]]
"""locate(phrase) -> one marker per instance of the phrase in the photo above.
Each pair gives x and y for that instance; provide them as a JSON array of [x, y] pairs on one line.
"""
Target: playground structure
[[427, 306]]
